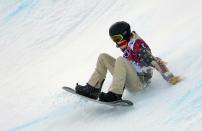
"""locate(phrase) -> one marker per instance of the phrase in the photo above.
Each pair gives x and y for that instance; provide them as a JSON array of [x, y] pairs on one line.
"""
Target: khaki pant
[[124, 75]]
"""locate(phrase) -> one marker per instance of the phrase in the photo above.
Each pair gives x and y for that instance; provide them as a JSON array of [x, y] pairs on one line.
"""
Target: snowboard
[[123, 103]]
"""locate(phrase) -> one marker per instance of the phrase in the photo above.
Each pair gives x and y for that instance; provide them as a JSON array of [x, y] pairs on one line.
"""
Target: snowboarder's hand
[[174, 80]]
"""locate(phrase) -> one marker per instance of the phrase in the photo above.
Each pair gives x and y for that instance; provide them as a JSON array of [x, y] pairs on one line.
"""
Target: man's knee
[[103, 56]]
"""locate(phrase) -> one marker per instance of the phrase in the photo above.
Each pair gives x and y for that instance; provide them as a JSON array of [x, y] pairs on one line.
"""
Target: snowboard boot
[[87, 90], [109, 97]]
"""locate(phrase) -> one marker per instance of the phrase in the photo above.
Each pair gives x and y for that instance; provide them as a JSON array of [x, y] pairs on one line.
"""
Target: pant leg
[[124, 75], [105, 62]]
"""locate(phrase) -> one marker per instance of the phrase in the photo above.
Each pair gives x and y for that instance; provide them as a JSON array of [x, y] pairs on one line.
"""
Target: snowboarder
[[132, 70]]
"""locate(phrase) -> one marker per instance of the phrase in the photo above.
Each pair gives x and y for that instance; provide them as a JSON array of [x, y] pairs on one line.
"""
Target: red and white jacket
[[135, 45], [132, 53]]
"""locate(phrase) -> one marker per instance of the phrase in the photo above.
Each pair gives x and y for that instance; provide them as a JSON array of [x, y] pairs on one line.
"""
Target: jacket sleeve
[[143, 53], [160, 66]]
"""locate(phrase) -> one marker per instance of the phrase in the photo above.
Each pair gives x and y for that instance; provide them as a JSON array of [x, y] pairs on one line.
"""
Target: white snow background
[[47, 44]]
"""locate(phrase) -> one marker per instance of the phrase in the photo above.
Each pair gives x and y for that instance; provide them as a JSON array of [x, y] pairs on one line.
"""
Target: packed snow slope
[[46, 44]]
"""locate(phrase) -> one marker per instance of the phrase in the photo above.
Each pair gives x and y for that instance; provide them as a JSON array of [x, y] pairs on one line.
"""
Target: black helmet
[[122, 28]]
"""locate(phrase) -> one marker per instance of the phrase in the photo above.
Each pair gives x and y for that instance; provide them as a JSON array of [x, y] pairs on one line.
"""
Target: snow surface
[[46, 44]]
